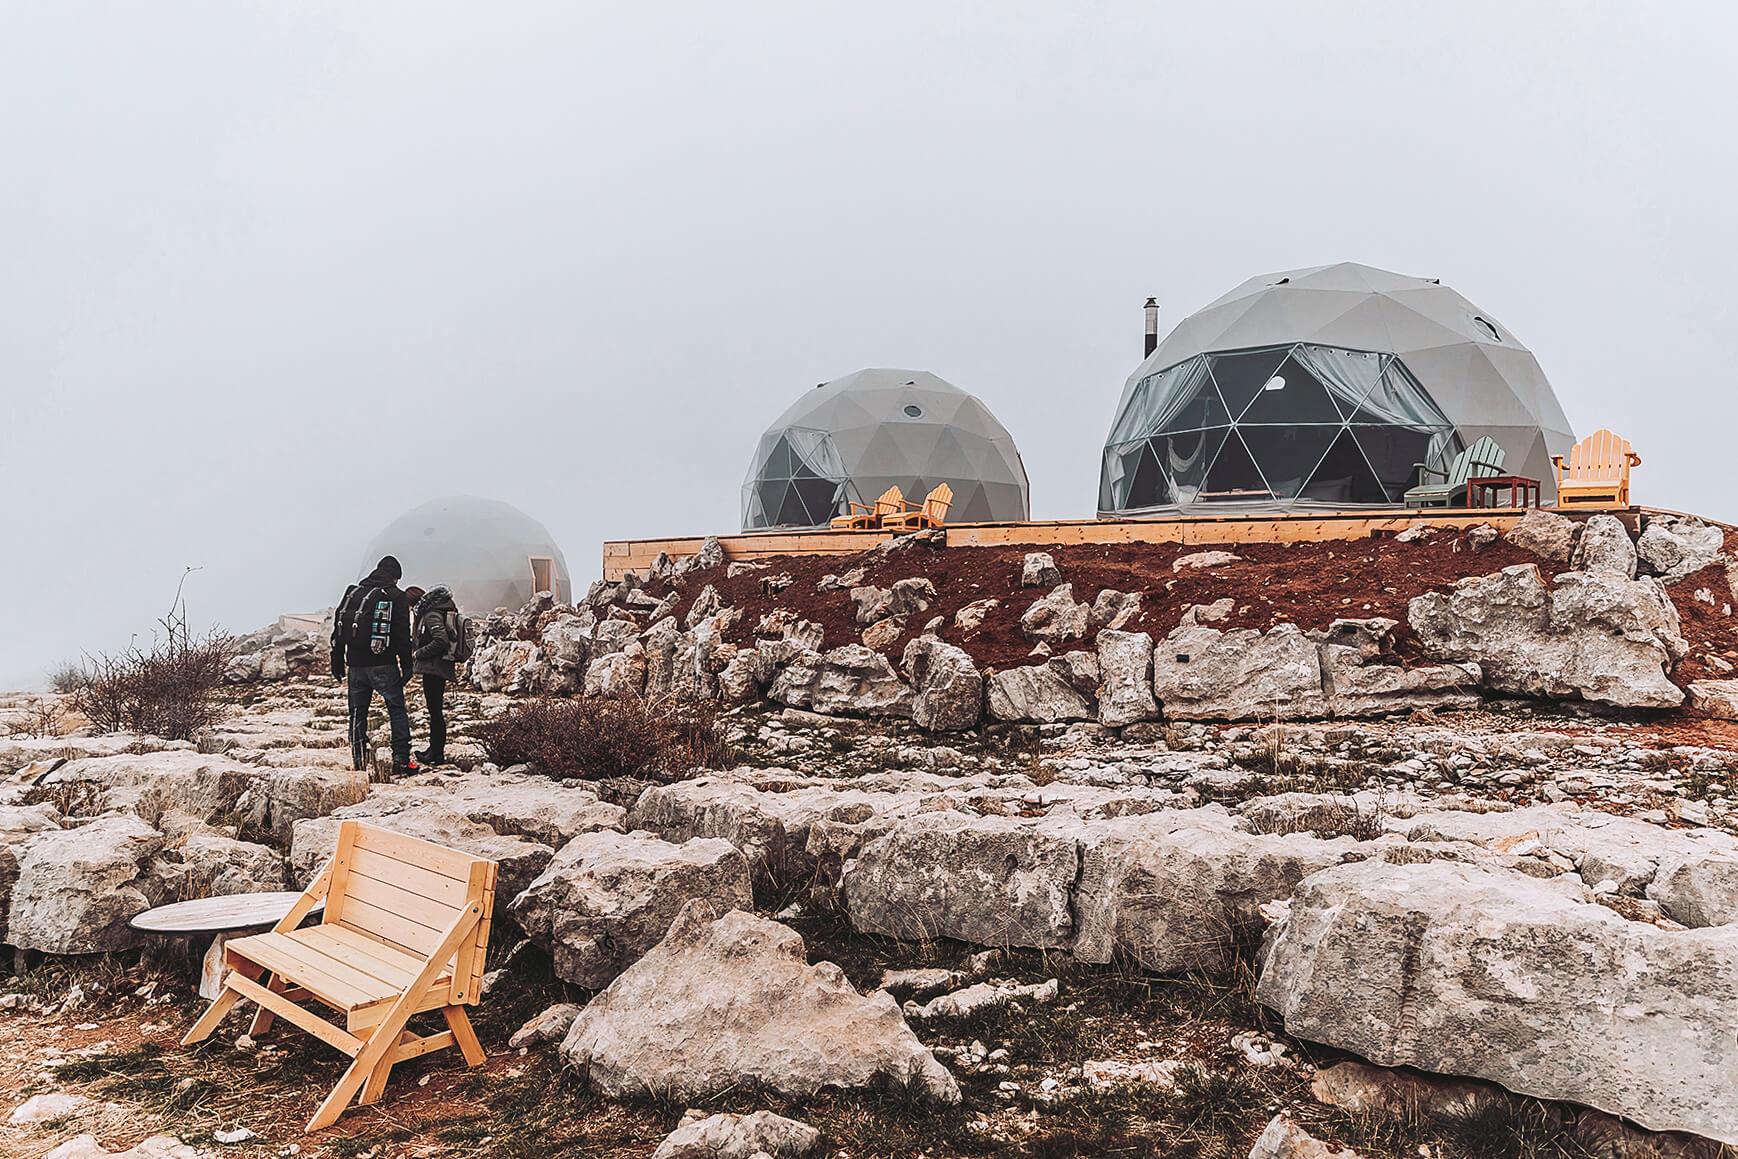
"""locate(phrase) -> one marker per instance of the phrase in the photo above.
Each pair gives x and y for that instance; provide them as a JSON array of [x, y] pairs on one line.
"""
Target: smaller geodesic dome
[[491, 554], [850, 439]]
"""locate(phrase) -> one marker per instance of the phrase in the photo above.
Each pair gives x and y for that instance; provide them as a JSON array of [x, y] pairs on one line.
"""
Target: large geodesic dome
[[491, 554], [1324, 387], [852, 438]]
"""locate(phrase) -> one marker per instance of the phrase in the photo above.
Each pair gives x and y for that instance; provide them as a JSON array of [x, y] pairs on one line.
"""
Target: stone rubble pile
[[296, 646], [1597, 631]]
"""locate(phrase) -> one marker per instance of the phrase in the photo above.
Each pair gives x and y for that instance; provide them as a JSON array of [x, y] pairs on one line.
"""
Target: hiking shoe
[[425, 757], [406, 770]]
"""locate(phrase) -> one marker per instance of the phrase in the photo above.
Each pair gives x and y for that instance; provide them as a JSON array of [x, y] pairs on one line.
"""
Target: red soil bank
[[1308, 584]]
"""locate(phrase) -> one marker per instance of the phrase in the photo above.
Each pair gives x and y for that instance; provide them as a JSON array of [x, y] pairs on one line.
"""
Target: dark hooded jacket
[[433, 641], [358, 653]]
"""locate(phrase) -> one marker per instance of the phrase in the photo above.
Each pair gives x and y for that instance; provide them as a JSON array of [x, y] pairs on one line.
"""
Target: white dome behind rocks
[[491, 554]]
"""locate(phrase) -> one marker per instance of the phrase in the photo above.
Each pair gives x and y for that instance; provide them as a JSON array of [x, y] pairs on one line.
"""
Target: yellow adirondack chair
[[888, 504], [1596, 473], [405, 930], [933, 512], [861, 517]]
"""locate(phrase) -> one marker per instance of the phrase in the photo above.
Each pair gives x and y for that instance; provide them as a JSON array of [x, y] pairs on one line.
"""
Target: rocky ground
[[1502, 921]]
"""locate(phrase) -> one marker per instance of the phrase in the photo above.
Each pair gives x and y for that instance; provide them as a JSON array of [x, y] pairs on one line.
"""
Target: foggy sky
[[272, 274]]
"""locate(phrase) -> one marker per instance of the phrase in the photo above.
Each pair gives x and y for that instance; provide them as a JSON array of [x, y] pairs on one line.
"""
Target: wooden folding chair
[[405, 930], [1596, 473], [933, 512]]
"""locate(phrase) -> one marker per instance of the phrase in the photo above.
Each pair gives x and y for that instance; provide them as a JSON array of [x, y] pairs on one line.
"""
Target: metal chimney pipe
[[1152, 327]]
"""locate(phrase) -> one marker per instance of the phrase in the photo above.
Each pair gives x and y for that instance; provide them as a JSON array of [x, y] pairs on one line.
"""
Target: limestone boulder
[[730, 1001], [520, 860], [847, 681], [1036, 693], [948, 689], [1491, 974], [210, 864], [551, 1025], [566, 648], [77, 888], [1203, 673], [1113, 609], [658, 643], [737, 682], [1125, 671], [727, 1136], [1284, 1139], [283, 796], [782, 826], [1039, 570], [1175, 891], [499, 665], [1204, 560], [18, 751], [1056, 618], [203, 785], [1361, 677], [19, 825], [1598, 637], [994, 881], [606, 898], [1673, 546], [971, 617], [1715, 699], [620, 673], [1605, 548], [538, 808], [1699, 889], [1545, 534]]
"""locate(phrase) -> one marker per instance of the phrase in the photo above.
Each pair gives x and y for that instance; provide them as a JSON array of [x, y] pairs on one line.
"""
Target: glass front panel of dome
[[798, 480], [1275, 425]]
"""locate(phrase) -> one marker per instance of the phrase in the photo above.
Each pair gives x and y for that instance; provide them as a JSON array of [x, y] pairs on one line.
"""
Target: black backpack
[[364, 619]]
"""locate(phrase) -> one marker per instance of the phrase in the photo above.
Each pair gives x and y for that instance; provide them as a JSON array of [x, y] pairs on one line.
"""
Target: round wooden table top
[[217, 915]]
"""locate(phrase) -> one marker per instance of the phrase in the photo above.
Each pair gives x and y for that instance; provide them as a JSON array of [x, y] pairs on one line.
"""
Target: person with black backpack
[[439, 647], [371, 639]]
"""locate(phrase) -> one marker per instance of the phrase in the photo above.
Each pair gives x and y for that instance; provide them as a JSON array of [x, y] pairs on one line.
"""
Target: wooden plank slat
[[400, 931], [337, 982], [363, 1017], [414, 851], [624, 555], [289, 1011], [386, 896], [449, 891], [421, 1046], [468, 968], [372, 946], [387, 973]]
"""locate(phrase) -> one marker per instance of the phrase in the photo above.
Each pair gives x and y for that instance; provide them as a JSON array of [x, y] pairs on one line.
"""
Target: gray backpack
[[461, 637]]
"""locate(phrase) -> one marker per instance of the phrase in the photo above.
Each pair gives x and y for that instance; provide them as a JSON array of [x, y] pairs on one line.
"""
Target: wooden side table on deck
[[1523, 492], [219, 918]]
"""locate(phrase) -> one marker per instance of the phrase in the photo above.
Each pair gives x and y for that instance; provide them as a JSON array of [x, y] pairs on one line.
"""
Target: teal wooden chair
[[1479, 461]]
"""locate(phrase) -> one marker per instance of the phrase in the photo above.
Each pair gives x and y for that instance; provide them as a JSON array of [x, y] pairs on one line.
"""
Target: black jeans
[[434, 691], [364, 683]]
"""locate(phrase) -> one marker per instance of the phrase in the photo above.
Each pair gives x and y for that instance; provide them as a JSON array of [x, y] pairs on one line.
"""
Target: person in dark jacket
[[371, 639], [432, 655]]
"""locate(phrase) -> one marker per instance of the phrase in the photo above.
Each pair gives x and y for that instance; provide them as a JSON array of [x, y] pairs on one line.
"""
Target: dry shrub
[[169, 689], [595, 737], [66, 677]]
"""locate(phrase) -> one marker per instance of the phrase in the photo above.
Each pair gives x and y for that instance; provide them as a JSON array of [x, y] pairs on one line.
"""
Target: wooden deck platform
[[624, 555]]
